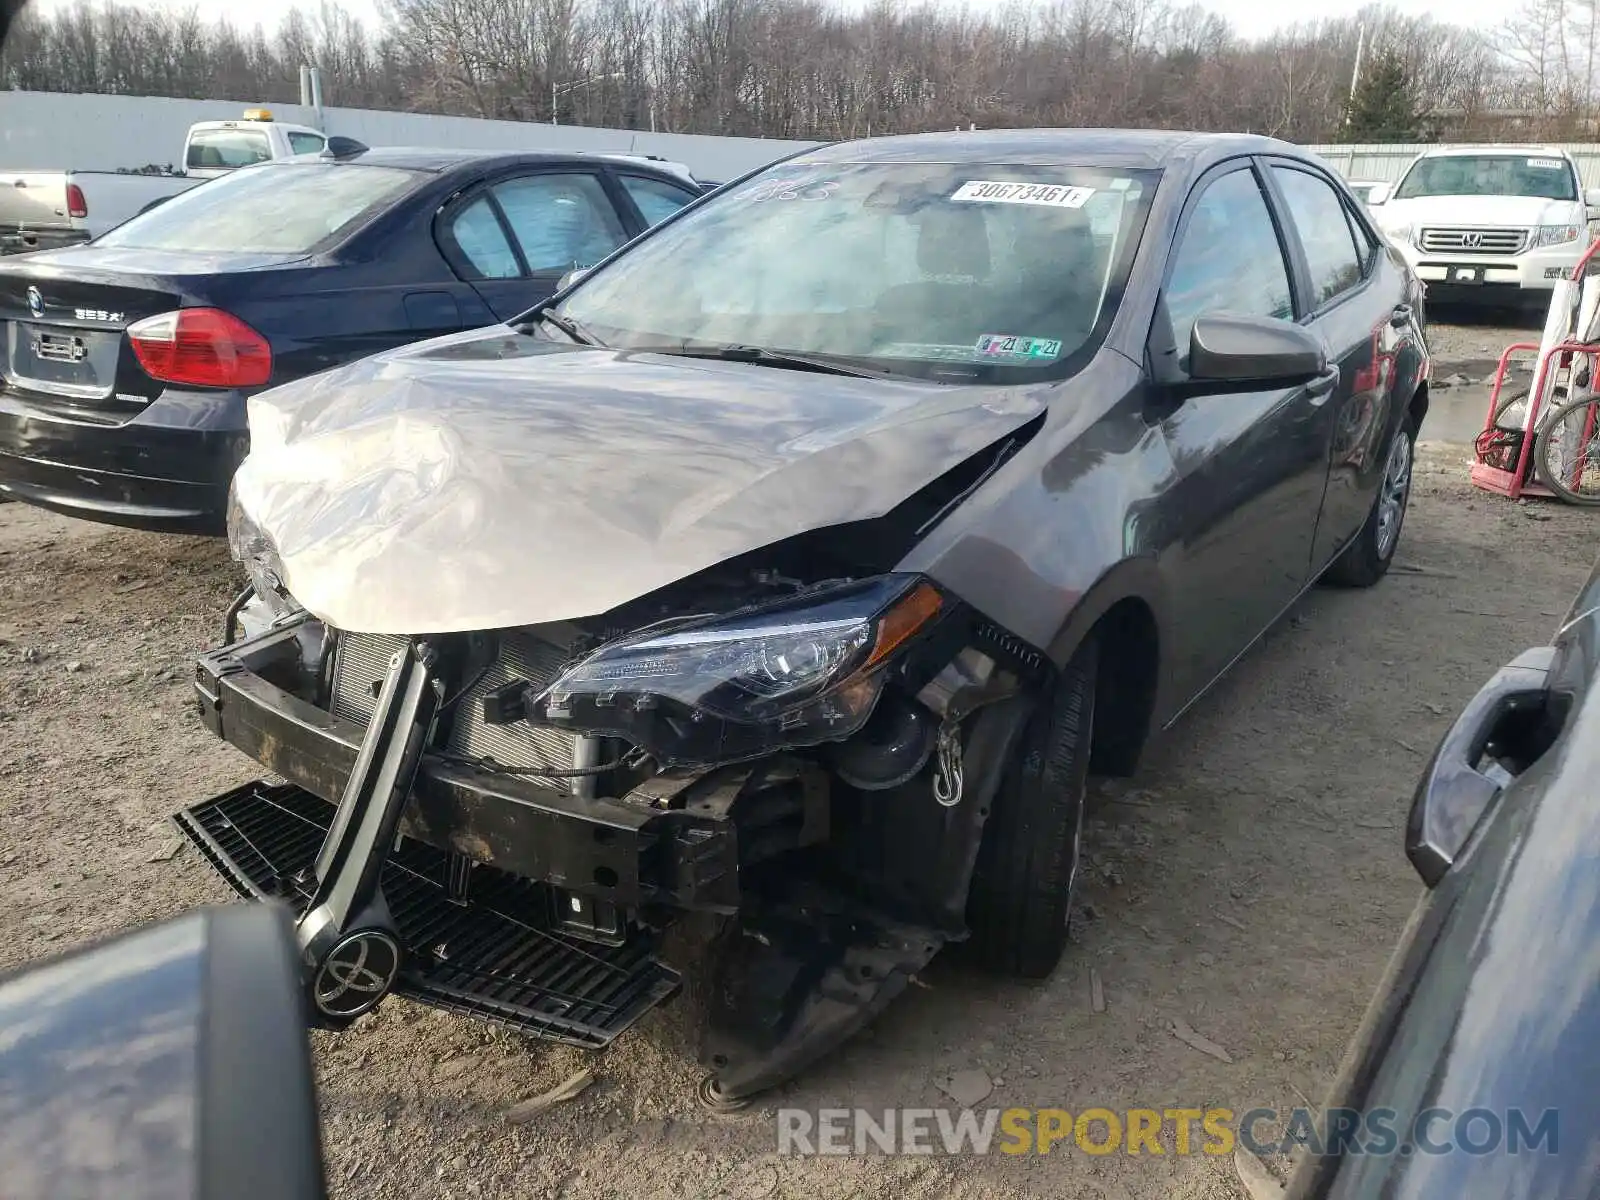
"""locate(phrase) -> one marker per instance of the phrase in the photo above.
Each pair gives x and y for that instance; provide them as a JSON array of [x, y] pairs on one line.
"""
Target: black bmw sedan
[[126, 363]]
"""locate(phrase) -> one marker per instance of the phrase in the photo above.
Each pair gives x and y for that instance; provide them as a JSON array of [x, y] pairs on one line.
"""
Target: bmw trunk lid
[[64, 316]]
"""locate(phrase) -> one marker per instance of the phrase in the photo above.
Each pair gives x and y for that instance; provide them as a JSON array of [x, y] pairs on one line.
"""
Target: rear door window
[[656, 199], [222, 149], [305, 143], [1230, 259], [284, 208], [561, 220], [1335, 262], [478, 234]]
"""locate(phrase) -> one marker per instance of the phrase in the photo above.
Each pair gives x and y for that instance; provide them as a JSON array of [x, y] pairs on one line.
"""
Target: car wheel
[[1027, 868], [1366, 559]]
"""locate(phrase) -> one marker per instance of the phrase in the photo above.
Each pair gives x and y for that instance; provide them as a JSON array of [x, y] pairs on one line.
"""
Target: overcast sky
[[1249, 17]]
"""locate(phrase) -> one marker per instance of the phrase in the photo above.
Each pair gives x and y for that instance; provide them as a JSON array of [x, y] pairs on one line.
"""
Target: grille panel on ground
[[362, 659], [495, 957], [1474, 241]]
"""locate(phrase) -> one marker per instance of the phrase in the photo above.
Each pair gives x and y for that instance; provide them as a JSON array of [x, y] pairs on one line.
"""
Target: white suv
[[1489, 222]]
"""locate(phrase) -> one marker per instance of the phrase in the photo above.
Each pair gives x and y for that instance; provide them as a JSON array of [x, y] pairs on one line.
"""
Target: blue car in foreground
[[125, 363]]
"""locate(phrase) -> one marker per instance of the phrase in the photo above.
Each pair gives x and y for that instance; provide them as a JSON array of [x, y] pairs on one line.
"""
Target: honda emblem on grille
[[1472, 239], [35, 302], [357, 973]]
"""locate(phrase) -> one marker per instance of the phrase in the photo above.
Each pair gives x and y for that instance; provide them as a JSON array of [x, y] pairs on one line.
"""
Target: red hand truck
[[1513, 450]]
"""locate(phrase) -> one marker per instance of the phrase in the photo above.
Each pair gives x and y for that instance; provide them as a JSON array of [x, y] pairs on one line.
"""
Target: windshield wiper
[[762, 357], [572, 328]]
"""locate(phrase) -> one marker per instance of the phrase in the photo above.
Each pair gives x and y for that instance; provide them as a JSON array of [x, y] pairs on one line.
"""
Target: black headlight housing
[[800, 672]]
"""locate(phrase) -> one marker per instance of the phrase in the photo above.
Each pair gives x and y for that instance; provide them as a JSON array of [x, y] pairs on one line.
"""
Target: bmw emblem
[[357, 973], [35, 302]]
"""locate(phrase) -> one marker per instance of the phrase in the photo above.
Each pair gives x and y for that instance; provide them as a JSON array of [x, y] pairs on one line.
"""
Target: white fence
[[58, 131], [1385, 163]]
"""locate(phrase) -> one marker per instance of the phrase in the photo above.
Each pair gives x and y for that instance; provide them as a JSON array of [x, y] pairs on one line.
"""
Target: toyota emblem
[[358, 972], [35, 302], [1472, 239]]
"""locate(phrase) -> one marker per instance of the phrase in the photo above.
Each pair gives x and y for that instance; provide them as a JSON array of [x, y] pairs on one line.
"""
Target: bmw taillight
[[202, 346], [77, 206]]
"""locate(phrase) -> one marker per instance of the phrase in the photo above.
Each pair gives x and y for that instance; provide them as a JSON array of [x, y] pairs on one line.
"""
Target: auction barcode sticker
[[1055, 195]]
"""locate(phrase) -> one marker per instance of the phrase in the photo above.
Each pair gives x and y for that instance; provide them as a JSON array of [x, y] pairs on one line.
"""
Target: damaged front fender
[[804, 965]]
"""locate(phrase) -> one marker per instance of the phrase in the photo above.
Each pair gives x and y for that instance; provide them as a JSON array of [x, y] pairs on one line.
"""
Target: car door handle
[[1454, 793], [1401, 316], [1320, 388]]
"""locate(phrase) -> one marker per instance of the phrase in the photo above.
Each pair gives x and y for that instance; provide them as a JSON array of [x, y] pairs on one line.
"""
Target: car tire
[[1027, 868], [1366, 559]]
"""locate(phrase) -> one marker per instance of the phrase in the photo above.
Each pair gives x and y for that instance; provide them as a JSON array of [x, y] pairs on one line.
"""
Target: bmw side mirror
[[1258, 351], [571, 277], [178, 1052], [1377, 194]]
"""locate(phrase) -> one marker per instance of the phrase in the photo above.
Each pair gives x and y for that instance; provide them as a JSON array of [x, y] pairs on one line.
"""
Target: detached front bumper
[[543, 910], [624, 852]]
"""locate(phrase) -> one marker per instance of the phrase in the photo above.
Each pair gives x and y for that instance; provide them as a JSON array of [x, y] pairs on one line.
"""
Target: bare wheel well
[[1125, 686]]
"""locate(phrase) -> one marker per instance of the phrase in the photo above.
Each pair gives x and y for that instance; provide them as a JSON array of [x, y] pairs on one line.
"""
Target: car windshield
[[277, 209], [1490, 175], [986, 273]]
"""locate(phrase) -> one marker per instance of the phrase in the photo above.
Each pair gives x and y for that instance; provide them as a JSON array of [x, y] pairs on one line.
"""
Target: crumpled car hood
[[493, 479]]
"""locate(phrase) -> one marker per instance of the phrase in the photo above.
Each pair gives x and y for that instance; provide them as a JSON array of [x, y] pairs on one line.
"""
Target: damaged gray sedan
[[793, 569]]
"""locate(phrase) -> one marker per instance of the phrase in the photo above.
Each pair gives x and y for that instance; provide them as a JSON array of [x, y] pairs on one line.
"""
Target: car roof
[[1474, 151], [440, 161], [1128, 148]]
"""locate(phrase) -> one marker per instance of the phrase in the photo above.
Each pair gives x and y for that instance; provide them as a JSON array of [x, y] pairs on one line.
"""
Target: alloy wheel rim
[[1392, 499]]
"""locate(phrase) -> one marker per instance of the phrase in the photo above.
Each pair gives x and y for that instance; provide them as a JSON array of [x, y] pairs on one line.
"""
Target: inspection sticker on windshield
[[1055, 195], [1005, 345], [1545, 164]]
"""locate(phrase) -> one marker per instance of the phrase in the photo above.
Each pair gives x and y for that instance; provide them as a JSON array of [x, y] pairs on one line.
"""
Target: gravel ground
[[1249, 882], [1459, 336]]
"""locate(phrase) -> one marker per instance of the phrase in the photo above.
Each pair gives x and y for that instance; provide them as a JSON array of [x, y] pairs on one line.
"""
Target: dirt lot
[[1250, 883]]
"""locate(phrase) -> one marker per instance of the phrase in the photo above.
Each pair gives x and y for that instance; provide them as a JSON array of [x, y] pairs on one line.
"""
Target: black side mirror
[[177, 1051], [344, 147], [1263, 351]]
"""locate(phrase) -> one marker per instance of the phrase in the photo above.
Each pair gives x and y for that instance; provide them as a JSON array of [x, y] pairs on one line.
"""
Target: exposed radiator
[[362, 660]]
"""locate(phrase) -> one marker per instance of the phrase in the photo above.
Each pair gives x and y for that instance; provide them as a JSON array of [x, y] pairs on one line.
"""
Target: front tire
[[1027, 868], [1366, 559]]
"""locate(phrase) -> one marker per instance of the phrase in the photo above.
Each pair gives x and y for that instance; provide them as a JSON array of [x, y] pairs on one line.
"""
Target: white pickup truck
[[43, 209], [1494, 224]]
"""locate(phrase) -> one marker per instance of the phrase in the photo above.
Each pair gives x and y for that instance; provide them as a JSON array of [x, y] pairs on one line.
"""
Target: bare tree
[[805, 68]]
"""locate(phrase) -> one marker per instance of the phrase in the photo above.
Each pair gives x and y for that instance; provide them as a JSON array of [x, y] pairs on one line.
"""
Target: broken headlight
[[796, 673], [253, 550]]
